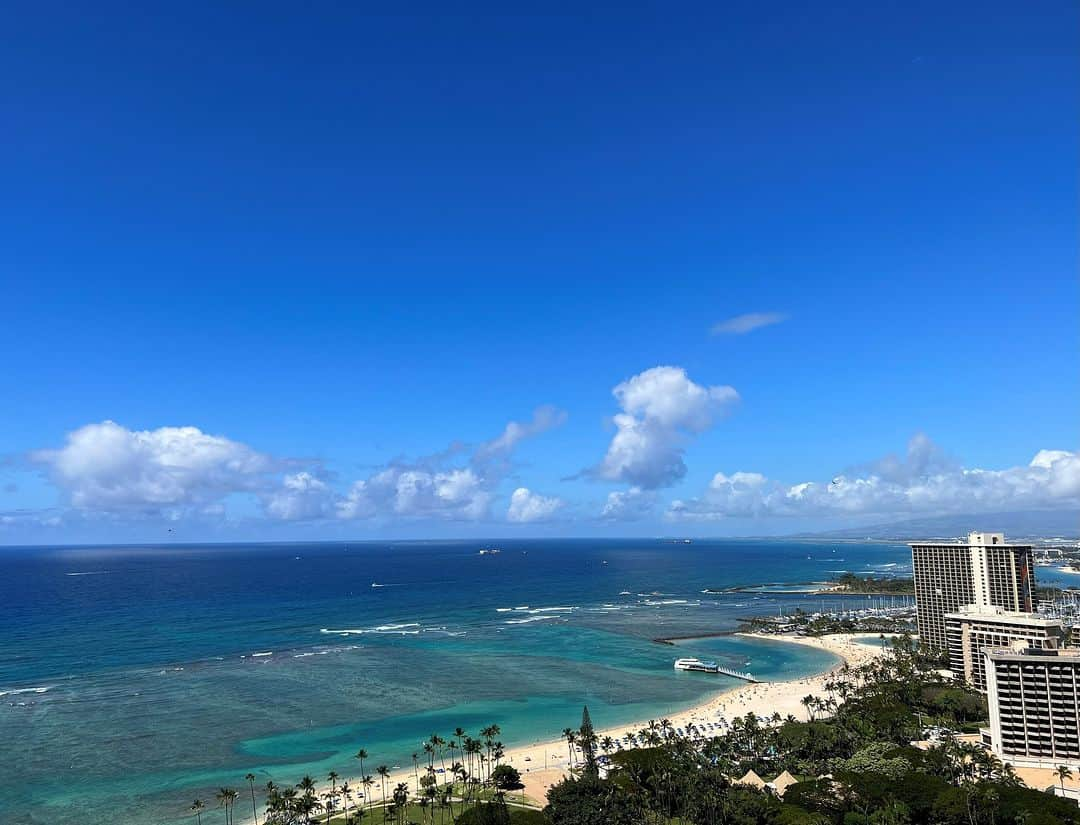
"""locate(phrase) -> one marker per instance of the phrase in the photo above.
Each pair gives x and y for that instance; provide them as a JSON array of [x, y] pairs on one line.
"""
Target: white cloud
[[302, 496], [742, 324], [527, 506], [417, 491], [435, 488], [168, 471], [544, 418], [924, 482], [182, 472], [661, 407], [629, 505], [356, 504]]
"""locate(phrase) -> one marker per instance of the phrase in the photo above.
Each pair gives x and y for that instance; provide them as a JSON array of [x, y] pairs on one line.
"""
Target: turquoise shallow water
[[135, 679]]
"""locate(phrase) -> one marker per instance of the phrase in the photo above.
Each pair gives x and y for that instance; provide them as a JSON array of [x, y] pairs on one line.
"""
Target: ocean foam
[[402, 629], [553, 610], [324, 651], [530, 619]]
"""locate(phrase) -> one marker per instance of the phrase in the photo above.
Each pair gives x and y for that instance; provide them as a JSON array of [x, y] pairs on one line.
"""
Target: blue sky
[[342, 243]]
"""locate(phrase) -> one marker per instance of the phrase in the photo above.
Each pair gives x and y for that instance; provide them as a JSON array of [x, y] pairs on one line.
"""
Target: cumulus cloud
[[168, 471], [182, 472], [416, 491], [454, 485], [661, 408], [301, 496], [742, 324], [923, 482], [527, 506], [629, 505]]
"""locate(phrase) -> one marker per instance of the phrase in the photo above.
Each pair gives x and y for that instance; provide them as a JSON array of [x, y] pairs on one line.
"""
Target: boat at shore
[[706, 666], [700, 665]]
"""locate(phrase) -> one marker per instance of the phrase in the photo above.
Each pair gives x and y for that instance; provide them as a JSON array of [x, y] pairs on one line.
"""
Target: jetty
[[738, 674]]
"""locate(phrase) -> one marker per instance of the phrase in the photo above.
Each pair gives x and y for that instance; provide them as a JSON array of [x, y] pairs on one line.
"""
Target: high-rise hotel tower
[[1034, 698], [985, 572]]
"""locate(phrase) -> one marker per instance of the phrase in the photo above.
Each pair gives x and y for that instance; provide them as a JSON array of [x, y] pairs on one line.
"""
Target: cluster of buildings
[[976, 601]]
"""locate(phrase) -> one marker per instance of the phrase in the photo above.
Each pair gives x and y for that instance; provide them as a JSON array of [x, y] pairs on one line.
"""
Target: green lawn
[[423, 815]]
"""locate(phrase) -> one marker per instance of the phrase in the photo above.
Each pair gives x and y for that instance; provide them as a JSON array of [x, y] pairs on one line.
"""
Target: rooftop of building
[[1070, 654], [992, 613], [974, 539]]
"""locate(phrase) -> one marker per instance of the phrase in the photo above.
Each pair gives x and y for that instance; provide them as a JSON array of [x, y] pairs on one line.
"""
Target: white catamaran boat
[[697, 664]]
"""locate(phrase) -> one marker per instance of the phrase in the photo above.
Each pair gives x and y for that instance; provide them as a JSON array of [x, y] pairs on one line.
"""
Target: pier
[[738, 674]]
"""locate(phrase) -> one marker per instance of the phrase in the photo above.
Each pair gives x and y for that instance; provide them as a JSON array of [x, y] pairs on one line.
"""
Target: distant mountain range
[[1028, 524]]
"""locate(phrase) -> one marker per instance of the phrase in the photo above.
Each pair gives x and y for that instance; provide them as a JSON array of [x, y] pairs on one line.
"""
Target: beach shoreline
[[544, 763]]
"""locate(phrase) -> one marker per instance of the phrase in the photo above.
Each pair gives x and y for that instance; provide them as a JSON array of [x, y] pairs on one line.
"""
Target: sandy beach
[[544, 763]]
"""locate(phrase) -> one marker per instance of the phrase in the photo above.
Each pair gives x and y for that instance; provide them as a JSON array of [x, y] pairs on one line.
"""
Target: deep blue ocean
[[134, 679]]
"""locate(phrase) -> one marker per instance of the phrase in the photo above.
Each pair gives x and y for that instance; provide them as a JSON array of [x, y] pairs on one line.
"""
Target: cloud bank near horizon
[[923, 482], [174, 473], [107, 472]]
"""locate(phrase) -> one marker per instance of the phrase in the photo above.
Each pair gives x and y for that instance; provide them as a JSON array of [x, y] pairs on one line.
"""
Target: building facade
[[971, 630], [1034, 698], [984, 571]]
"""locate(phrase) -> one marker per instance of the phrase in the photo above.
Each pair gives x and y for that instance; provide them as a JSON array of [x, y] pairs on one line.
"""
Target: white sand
[[544, 763]]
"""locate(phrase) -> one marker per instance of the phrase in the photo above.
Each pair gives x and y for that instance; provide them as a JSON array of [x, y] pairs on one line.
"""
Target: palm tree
[[473, 748], [288, 800], [197, 808], [346, 793], [459, 735], [362, 755], [401, 798], [489, 733], [251, 783], [222, 796], [384, 774], [307, 805], [273, 798], [429, 751], [568, 735], [307, 785], [1062, 772], [226, 797], [332, 778], [439, 746], [367, 781], [347, 796]]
